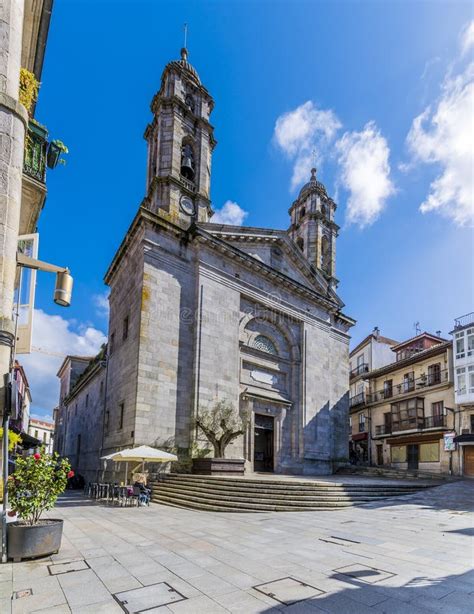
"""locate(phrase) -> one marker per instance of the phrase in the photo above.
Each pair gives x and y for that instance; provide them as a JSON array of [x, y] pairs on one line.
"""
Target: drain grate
[[148, 597], [369, 575], [26, 592], [288, 590], [60, 568]]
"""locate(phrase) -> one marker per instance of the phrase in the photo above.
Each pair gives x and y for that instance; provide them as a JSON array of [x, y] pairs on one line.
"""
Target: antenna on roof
[[417, 328], [185, 35]]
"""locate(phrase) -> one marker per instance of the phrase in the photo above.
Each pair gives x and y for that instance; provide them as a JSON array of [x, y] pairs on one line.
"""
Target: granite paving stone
[[215, 560]]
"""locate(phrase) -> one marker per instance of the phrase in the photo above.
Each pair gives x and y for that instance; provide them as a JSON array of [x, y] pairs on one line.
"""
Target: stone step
[[260, 484], [269, 486], [395, 473], [224, 491], [216, 493], [250, 498], [224, 508], [203, 503]]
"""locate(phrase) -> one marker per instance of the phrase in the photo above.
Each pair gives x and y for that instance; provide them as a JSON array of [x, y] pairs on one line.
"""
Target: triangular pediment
[[275, 249]]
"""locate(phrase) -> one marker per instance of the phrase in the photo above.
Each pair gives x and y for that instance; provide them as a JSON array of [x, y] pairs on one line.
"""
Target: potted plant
[[28, 89], [33, 488], [53, 156], [221, 424]]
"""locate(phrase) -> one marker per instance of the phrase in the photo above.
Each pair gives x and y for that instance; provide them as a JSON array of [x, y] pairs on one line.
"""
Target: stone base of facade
[[219, 466]]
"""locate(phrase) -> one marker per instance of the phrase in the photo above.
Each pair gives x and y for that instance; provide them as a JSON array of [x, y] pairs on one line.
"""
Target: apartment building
[[371, 353], [463, 358], [43, 431], [410, 407]]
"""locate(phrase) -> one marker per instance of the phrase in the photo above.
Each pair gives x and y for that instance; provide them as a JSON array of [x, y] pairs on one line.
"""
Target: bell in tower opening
[[187, 162]]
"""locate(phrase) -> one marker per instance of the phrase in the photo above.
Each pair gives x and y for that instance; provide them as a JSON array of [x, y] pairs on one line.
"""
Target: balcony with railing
[[358, 399], [464, 320], [426, 380], [36, 146], [359, 370], [415, 423]]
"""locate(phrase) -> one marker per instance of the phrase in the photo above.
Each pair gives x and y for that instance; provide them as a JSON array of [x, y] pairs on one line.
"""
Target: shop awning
[[27, 441], [466, 438], [359, 436]]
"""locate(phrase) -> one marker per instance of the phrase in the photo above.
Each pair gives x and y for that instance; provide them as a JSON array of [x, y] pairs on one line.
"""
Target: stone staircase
[[388, 472], [225, 494]]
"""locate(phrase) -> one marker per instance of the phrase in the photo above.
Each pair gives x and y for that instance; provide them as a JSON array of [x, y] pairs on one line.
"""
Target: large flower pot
[[219, 466], [25, 541]]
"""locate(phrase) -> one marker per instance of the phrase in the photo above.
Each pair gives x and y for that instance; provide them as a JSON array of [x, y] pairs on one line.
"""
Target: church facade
[[201, 312]]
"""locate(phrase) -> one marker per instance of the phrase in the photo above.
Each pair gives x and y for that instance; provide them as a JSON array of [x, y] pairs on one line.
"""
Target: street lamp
[[62, 297]]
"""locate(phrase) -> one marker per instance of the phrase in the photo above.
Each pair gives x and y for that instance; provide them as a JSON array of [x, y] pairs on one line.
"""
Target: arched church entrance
[[268, 382]]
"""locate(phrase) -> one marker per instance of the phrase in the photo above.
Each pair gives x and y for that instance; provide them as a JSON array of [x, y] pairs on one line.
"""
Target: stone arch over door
[[269, 380], [268, 320]]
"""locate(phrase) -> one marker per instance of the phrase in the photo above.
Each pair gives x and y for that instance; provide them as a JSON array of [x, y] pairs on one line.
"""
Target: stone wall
[[84, 426], [125, 304]]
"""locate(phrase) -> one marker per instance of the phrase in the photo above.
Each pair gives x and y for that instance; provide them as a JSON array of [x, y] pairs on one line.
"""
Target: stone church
[[201, 312]]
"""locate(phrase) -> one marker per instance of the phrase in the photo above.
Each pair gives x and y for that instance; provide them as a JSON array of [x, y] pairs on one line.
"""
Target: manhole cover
[[26, 592], [370, 575], [288, 590], [148, 597], [60, 568]]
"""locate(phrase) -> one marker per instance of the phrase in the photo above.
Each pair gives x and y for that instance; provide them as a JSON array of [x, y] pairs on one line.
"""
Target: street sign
[[449, 445]]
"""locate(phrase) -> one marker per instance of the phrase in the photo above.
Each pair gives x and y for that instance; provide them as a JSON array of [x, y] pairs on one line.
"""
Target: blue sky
[[370, 68]]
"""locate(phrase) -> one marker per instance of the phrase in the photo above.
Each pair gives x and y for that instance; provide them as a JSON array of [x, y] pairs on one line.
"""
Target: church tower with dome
[[180, 142], [313, 228], [202, 312]]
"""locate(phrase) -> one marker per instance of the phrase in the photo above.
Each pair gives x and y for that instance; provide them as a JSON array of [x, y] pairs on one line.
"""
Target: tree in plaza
[[221, 423]]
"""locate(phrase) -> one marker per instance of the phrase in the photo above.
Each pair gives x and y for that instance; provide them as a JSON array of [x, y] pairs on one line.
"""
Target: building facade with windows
[[80, 416], [43, 431], [410, 405], [371, 353], [463, 353]]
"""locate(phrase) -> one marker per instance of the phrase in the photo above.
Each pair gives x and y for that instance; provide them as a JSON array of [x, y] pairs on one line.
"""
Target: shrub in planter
[[33, 489]]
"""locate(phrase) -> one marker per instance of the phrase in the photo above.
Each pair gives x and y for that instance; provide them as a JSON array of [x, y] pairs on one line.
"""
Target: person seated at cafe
[[145, 493]]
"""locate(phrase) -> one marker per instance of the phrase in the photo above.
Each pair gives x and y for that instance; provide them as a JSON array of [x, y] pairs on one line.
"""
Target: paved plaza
[[411, 554]]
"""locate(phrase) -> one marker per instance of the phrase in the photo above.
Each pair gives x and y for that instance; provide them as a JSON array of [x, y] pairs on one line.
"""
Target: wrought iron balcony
[[363, 368], [358, 399], [418, 423], [36, 145], [464, 320], [407, 386]]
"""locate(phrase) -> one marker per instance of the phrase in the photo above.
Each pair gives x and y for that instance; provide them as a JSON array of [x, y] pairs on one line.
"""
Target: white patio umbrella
[[143, 454]]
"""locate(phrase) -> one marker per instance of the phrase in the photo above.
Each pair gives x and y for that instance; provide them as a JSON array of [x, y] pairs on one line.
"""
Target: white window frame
[[461, 377], [459, 338], [470, 379], [470, 341]]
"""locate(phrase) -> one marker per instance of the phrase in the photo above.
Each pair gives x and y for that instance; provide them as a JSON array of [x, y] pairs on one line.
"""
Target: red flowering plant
[[35, 485]]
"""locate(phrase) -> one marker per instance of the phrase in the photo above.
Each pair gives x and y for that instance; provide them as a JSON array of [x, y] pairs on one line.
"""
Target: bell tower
[[180, 144], [313, 228]]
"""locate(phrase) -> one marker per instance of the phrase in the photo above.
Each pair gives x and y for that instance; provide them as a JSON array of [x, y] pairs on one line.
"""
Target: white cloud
[[303, 134], [101, 302], [54, 334], [467, 38], [442, 135], [365, 173], [230, 213]]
